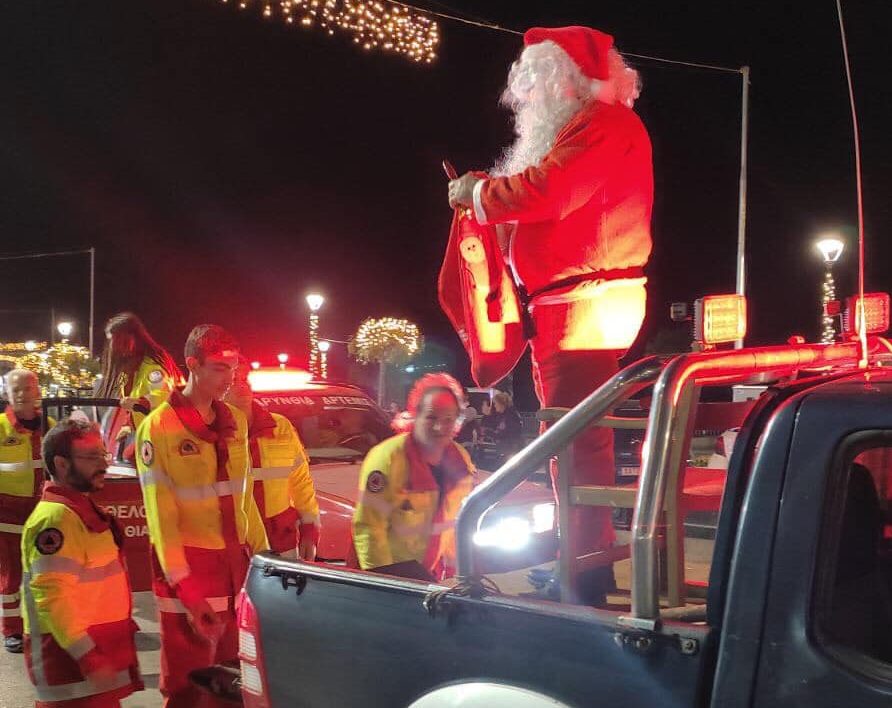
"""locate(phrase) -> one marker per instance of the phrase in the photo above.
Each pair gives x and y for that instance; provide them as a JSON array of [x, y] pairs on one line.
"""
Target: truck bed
[[333, 644]]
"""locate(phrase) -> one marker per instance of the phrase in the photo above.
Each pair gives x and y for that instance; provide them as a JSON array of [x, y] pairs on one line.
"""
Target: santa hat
[[587, 47]]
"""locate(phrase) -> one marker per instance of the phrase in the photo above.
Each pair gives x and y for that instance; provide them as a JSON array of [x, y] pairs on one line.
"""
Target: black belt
[[529, 328]]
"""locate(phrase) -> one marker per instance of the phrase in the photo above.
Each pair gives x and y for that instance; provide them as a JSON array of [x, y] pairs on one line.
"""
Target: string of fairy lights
[[401, 28], [381, 25], [828, 295]]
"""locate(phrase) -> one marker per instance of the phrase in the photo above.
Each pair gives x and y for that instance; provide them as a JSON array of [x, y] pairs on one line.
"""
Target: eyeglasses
[[96, 459]]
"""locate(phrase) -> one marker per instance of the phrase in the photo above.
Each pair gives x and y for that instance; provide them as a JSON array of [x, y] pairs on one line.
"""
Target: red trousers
[[182, 649], [10, 583], [563, 379]]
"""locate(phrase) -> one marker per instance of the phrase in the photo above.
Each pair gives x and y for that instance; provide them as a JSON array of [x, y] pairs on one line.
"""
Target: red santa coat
[[585, 207], [579, 233]]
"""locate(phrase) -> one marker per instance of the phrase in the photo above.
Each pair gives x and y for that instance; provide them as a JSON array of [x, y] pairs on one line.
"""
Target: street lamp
[[283, 359], [830, 249], [324, 346], [255, 365], [314, 302], [65, 329]]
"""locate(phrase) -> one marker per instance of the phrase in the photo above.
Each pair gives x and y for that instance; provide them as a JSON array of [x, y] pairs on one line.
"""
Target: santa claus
[[568, 208]]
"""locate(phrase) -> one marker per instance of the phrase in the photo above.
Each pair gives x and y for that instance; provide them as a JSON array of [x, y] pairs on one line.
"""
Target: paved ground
[[16, 690]]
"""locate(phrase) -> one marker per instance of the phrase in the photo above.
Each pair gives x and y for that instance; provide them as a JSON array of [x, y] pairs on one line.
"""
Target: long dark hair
[[114, 365]]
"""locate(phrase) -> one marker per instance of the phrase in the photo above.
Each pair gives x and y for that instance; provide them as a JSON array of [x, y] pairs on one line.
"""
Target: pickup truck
[[789, 605]]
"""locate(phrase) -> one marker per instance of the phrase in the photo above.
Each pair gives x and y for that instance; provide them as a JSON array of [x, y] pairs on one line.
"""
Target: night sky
[[223, 165]]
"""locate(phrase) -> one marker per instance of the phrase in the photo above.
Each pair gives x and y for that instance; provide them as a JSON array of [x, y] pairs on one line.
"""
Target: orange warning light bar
[[876, 314], [264, 380], [720, 318]]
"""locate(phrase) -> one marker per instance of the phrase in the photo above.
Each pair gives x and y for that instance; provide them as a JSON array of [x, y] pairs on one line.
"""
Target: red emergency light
[[720, 318], [264, 380], [876, 314]]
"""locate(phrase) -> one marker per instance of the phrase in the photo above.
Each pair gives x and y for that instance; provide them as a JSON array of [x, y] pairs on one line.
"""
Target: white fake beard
[[536, 124]]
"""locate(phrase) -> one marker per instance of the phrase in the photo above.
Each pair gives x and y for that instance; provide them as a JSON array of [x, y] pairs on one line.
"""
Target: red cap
[[587, 47]]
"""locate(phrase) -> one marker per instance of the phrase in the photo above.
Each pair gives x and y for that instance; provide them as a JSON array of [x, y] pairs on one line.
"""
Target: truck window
[[854, 582]]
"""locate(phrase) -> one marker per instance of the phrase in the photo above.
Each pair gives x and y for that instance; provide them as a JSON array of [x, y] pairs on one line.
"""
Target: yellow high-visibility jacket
[[283, 486], [394, 522], [21, 472], [183, 496], [152, 382], [77, 600]]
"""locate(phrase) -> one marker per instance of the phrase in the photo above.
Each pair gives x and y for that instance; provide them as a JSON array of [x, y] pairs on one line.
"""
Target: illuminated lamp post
[[830, 249], [255, 365], [65, 329], [324, 346], [283, 359], [314, 302]]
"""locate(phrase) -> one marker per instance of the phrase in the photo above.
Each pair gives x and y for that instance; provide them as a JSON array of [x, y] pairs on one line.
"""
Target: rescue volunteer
[[202, 519], [135, 368], [283, 487], [21, 479], [79, 646], [569, 209], [412, 486]]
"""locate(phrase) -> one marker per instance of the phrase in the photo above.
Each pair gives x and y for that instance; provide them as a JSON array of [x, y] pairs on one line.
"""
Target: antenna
[[857, 141]]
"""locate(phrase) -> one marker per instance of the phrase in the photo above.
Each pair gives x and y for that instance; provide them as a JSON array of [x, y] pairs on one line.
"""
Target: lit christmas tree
[[386, 341], [63, 368]]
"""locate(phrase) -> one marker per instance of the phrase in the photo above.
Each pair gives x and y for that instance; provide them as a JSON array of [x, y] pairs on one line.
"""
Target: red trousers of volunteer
[[182, 649], [10, 583], [563, 379]]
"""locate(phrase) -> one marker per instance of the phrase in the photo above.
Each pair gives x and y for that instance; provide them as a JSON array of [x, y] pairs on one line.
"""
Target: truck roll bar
[[671, 399], [675, 395], [597, 405]]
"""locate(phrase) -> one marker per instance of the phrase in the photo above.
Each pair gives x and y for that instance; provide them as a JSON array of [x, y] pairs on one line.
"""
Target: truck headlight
[[513, 532], [509, 534], [543, 517]]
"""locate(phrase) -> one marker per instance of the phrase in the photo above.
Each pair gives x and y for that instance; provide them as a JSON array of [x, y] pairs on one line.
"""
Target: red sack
[[478, 296]]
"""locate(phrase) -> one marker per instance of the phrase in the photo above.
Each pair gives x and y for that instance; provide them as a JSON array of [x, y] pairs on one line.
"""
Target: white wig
[[545, 89]]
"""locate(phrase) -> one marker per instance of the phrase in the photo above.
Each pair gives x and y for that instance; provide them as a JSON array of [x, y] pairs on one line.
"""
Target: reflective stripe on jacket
[[284, 473], [21, 470], [394, 523], [76, 600], [178, 475]]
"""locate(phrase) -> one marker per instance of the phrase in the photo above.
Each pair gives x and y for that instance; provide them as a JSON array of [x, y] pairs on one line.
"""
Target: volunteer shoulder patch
[[376, 481], [156, 376], [147, 453], [188, 447], [49, 541]]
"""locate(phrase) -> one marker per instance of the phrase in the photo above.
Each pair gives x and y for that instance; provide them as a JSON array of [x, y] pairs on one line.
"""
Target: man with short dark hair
[[193, 462], [79, 646], [21, 479]]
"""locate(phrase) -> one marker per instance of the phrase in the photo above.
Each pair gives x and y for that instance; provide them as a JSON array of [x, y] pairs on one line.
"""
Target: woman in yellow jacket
[[135, 369], [412, 486]]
